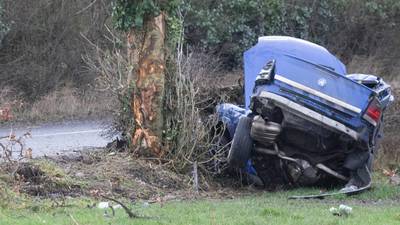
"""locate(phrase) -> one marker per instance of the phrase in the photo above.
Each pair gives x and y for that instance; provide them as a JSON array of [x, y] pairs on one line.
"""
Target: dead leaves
[[6, 114], [394, 177]]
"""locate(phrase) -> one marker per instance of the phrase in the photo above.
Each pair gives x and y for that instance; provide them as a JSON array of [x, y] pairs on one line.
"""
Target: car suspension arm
[[281, 155]]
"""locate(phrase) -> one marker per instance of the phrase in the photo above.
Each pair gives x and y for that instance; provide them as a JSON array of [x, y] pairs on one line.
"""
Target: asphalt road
[[52, 139]]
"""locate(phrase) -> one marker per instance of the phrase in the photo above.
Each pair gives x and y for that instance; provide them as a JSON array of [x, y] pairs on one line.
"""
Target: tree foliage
[[132, 13], [228, 27]]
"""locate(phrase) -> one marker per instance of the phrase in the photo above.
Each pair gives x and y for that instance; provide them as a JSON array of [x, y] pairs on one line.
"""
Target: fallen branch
[[127, 210]]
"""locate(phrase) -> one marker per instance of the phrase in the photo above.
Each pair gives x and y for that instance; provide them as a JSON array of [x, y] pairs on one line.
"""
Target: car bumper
[[309, 115]]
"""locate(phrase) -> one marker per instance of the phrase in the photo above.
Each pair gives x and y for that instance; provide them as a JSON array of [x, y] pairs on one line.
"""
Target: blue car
[[305, 120]]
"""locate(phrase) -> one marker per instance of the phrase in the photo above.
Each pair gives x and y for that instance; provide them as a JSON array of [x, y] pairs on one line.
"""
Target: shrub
[[230, 26], [355, 27], [3, 26], [44, 46]]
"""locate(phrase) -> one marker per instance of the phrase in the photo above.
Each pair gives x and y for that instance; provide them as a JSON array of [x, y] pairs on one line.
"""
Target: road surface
[[52, 139]]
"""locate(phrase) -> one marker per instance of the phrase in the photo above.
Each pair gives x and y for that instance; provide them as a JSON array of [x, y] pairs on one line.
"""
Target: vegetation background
[[48, 48], [62, 59], [43, 41]]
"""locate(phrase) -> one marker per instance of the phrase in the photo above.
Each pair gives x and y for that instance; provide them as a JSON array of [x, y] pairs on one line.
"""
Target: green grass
[[378, 206]]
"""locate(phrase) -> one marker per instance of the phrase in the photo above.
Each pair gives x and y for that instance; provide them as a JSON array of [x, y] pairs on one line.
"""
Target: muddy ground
[[99, 173]]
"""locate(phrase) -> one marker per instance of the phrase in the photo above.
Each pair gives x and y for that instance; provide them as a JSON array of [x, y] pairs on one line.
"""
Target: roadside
[[94, 173], [65, 104], [67, 190], [259, 209], [59, 138]]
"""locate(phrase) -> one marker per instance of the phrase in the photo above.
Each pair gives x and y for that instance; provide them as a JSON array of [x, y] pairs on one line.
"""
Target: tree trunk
[[149, 81]]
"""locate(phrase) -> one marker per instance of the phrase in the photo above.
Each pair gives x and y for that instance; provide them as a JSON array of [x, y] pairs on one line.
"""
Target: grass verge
[[64, 190], [378, 206]]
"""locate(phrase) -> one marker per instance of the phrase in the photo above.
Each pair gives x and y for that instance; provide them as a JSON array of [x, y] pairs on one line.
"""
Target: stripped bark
[[147, 96]]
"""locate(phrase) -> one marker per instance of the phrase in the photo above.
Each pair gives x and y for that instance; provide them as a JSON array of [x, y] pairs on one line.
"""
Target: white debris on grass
[[343, 210], [117, 206], [103, 205], [106, 205]]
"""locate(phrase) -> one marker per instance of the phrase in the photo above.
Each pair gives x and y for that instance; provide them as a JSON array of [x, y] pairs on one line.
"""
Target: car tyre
[[242, 144]]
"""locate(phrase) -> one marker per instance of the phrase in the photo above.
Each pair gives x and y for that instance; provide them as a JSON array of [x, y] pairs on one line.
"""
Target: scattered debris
[[39, 178], [112, 154], [127, 210], [117, 206], [343, 210], [394, 177], [12, 148], [103, 205], [120, 176]]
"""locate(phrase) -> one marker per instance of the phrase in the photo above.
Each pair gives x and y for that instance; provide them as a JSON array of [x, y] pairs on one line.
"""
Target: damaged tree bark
[[149, 83]]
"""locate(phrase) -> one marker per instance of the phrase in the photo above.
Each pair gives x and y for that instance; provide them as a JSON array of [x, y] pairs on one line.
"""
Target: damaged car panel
[[305, 121]]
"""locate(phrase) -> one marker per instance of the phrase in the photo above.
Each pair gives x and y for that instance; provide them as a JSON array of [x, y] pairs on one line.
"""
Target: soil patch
[[106, 173], [95, 173]]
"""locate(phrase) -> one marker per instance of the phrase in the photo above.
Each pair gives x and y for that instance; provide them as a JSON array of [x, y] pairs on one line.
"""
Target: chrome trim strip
[[370, 120], [310, 114], [317, 93]]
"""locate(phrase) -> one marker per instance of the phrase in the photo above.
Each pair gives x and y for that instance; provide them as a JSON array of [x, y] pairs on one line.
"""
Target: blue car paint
[[313, 64], [340, 87], [383, 91], [295, 57], [278, 47], [229, 115]]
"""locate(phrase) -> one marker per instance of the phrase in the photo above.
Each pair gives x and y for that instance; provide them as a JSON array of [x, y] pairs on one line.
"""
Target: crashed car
[[305, 120]]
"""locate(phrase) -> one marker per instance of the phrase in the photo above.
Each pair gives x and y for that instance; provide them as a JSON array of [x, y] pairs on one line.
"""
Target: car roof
[[298, 48]]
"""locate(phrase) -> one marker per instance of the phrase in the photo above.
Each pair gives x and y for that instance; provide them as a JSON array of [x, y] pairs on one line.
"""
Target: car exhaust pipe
[[264, 132]]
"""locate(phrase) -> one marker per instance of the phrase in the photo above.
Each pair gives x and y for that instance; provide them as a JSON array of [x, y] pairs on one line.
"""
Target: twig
[[90, 42], [87, 7], [73, 219], [112, 209], [127, 210], [195, 177]]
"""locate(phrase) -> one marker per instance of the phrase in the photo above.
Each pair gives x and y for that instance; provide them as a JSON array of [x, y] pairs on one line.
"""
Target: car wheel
[[242, 144]]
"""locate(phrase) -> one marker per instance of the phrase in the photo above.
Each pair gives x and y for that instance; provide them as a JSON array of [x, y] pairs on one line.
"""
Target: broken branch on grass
[[127, 210]]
